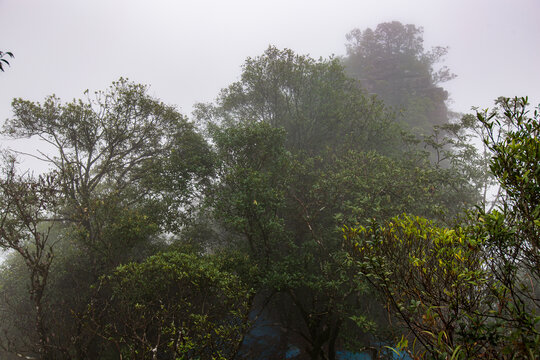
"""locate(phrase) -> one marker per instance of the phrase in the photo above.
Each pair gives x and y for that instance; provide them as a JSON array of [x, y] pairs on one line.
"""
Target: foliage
[[163, 239], [271, 131], [513, 231], [253, 177], [470, 291], [126, 168], [513, 139], [312, 100], [433, 278], [18, 334], [120, 148], [3, 61], [28, 206], [171, 306], [391, 62], [365, 186], [302, 150]]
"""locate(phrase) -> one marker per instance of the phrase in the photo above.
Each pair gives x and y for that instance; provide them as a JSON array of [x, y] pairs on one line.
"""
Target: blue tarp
[[266, 341]]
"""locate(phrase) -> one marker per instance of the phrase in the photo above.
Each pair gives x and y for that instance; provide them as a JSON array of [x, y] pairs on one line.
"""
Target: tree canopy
[[329, 200], [468, 291], [302, 151], [391, 62], [126, 167]]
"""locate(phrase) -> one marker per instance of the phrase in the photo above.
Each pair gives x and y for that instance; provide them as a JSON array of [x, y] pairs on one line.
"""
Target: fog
[[287, 216], [188, 50]]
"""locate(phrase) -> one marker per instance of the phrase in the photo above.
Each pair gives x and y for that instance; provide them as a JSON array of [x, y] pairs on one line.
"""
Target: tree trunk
[[332, 341], [42, 335]]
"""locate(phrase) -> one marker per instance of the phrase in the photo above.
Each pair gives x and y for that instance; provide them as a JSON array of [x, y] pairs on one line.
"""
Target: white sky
[[188, 50]]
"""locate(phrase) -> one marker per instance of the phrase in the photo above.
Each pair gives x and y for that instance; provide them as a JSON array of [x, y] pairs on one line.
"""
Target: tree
[[469, 291], [391, 62], [28, 208], [513, 230], [171, 306], [432, 278], [513, 140], [299, 147], [119, 150], [250, 196], [313, 101], [127, 168]]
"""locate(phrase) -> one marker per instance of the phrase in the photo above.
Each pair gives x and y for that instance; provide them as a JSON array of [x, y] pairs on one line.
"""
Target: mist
[[269, 180]]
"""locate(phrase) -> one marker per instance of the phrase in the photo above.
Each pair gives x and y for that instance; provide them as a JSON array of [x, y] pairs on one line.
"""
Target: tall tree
[[127, 168], [470, 291], [302, 149], [28, 213], [391, 62], [120, 149], [313, 101]]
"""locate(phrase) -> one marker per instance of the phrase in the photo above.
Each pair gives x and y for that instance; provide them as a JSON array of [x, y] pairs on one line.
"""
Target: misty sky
[[188, 50]]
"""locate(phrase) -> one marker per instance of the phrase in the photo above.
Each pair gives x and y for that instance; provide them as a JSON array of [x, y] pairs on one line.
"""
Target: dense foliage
[[470, 291], [124, 168], [297, 199], [303, 150], [171, 306], [391, 62]]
